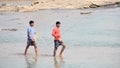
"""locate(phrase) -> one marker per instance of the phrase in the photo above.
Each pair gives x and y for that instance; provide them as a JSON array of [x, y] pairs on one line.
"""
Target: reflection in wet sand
[[59, 64], [31, 61]]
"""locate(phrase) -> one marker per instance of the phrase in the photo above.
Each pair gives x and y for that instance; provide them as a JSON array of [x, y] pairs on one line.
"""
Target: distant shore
[[54, 4]]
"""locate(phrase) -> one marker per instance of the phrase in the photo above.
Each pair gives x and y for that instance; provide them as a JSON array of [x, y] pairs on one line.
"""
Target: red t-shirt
[[56, 33]]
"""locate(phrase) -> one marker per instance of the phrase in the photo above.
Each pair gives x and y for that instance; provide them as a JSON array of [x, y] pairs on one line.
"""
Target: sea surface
[[100, 27], [92, 38]]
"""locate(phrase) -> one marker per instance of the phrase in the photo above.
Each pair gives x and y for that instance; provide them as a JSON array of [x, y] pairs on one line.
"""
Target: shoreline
[[43, 5]]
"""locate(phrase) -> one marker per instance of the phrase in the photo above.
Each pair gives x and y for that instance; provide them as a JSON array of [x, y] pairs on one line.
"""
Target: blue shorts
[[57, 43], [30, 42]]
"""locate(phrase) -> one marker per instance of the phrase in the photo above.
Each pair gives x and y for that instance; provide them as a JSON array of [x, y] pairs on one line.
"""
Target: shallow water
[[92, 40], [74, 57], [100, 28]]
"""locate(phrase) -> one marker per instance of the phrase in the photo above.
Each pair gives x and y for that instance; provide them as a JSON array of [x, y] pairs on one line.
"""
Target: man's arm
[[54, 33]]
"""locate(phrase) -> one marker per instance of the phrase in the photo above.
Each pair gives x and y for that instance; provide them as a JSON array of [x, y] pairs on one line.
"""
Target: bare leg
[[26, 49], [54, 52], [36, 50], [63, 48]]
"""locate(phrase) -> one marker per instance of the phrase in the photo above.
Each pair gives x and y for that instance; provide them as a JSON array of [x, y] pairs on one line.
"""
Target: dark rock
[[86, 7], [6, 5], [42, 2], [36, 3], [13, 29], [117, 3], [85, 13], [3, 4], [94, 6]]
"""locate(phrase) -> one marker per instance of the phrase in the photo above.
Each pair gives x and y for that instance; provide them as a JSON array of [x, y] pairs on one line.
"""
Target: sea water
[[91, 36], [99, 28]]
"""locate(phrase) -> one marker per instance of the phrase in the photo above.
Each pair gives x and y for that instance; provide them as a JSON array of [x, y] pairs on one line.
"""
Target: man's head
[[31, 23], [58, 24]]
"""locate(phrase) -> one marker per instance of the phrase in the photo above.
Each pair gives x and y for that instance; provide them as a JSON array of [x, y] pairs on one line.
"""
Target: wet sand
[[74, 57]]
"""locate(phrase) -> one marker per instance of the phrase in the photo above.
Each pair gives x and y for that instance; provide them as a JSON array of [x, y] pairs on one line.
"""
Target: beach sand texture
[[55, 4], [15, 0]]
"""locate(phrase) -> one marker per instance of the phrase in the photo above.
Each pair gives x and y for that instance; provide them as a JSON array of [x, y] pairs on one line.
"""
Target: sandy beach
[[55, 4], [15, 0]]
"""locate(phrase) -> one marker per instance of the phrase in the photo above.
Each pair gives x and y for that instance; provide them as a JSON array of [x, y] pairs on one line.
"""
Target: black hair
[[58, 22], [31, 22]]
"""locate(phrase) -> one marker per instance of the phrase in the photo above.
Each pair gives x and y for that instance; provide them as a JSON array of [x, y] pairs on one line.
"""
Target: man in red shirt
[[57, 39]]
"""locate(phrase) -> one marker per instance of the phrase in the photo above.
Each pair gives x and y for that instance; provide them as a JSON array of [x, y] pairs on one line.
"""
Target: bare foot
[[61, 55], [36, 58]]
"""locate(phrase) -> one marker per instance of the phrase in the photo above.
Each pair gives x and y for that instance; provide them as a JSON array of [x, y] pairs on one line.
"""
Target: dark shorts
[[57, 43], [30, 42]]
